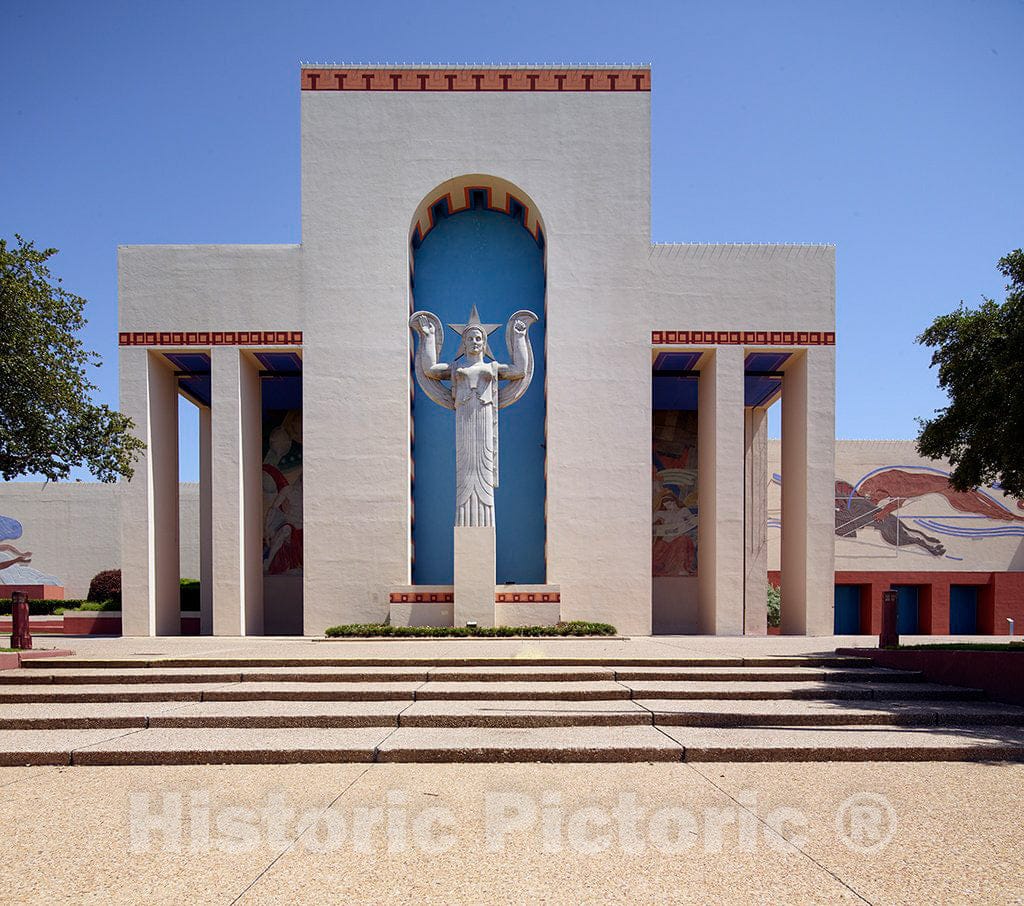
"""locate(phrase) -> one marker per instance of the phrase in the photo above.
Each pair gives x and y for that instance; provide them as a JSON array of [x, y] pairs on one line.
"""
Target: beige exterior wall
[[73, 529]]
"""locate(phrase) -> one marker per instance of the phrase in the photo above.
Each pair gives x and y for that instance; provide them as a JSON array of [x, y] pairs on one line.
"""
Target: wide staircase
[[209, 710]]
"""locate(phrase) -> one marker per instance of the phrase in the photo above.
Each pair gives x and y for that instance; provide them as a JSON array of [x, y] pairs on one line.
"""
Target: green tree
[[48, 422], [980, 356]]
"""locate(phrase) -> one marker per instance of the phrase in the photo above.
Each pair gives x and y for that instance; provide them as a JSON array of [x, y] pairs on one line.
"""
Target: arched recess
[[479, 240]]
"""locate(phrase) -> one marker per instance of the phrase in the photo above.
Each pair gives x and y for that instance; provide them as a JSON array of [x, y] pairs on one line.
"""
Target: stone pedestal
[[474, 574]]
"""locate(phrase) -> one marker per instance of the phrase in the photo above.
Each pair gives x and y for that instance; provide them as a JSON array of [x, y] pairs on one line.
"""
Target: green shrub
[[99, 606], [774, 606], [105, 586], [385, 630]]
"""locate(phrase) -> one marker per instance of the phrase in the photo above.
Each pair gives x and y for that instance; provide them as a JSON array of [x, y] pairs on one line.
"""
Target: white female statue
[[476, 396]]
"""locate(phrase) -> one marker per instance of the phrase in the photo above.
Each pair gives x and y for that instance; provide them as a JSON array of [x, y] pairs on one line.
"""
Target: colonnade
[[230, 493], [732, 485]]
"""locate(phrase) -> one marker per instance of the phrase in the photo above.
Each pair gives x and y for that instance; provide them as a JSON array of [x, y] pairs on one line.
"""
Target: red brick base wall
[[1000, 596], [35, 592], [999, 673]]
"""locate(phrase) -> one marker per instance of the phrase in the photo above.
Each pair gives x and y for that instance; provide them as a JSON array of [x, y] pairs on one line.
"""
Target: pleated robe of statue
[[476, 442]]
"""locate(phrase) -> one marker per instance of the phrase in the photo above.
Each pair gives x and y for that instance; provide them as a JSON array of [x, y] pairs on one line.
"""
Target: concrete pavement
[[879, 833]]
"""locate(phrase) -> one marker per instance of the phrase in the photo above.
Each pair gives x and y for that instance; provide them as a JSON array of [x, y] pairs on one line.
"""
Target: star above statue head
[[474, 321]]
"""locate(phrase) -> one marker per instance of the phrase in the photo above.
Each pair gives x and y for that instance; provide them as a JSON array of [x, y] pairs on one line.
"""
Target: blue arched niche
[[487, 258]]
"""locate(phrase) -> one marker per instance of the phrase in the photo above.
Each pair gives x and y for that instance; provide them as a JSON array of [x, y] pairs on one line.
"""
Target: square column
[[755, 522], [236, 442], [149, 502], [808, 493], [205, 522], [720, 469], [474, 574]]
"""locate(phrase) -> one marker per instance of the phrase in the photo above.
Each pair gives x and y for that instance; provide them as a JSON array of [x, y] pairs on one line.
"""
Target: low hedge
[[37, 608], [45, 608], [386, 630], [94, 606]]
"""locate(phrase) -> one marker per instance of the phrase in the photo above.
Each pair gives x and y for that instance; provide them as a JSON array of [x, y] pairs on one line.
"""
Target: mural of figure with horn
[[476, 394]]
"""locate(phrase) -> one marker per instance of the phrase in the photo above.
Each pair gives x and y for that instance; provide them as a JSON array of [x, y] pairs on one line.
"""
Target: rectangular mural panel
[[282, 492], [896, 510], [674, 519]]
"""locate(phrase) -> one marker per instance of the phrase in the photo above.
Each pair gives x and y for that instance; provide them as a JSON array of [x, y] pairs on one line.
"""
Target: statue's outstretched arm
[[520, 370], [430, 372]]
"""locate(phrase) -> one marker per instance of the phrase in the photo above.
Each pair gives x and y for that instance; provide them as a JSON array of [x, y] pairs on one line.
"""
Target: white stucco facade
[[579, 160]]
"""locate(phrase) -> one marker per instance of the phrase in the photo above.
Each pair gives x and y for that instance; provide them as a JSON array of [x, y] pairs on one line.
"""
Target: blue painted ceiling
[[673, 388]]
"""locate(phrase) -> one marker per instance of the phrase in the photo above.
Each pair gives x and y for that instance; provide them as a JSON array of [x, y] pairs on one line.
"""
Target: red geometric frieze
[[491, 79], [743, 338], [541, 597], [212, 338], [503, 202], [419, 597]]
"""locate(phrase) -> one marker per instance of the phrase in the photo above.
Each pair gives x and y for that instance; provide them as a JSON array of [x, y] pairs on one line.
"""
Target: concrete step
[[512, 713], [93, 675], [835, 712], [235, 691], [102, 692], [165, 745], [176, 746], [247, 746], [845, 743], [468, 691], [26, 747], [525, 713], [240, 664], [538, 691], [766, 674], [479, 709], [762, 691], [326, 691], [282, 714], [520, 674], [80, 715], [586, 744], [525, 673]]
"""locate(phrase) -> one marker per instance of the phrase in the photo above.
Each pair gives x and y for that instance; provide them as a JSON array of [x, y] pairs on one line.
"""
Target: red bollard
[[889, 637], [21, 633]]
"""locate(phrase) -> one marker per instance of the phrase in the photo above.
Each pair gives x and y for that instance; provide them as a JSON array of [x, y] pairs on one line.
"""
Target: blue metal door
[[906, 609], [847, 612], [963, 609]]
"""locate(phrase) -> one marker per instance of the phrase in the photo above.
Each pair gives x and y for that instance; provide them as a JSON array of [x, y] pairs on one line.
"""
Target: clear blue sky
[[892, 129]]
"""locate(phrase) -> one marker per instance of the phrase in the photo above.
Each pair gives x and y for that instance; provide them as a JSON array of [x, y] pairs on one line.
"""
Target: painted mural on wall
[[14, 568], [890, 499], [913, 509], [674, 520], [282, 492]]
